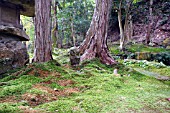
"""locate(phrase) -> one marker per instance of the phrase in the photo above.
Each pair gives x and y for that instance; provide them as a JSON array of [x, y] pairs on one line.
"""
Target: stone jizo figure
[[74, 56]]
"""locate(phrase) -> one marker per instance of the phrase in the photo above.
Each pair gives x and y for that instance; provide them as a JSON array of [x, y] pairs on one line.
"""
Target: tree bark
[[128, 22], [72, 17], [43, 46], [148, 35], [122, 36], [72, 32], [130, 27], [95, 43], [55, 26]]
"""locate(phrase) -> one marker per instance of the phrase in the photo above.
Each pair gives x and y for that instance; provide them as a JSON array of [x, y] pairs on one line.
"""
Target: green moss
[[137, 48], [18, 86], [56, 86], [162, 71], [26, 79], [9, 108], [100, 90], [60, 106], [115, 50], [7, 78], [155, 67], [14, 89], [143, 48], [35, 91], [61, 55]]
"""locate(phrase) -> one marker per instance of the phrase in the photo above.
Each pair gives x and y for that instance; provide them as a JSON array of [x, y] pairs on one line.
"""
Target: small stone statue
[[74, 56], [115, 72]]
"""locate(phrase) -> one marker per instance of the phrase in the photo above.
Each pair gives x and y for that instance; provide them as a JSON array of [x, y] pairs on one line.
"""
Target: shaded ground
[[92, 88]]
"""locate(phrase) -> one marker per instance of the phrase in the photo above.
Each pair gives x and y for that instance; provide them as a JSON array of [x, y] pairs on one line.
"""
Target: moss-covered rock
[[143, 55], [166, 42], [74, 56]]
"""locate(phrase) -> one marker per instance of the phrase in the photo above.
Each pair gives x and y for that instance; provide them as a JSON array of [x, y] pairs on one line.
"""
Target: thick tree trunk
[[43, 46], [95, 43]]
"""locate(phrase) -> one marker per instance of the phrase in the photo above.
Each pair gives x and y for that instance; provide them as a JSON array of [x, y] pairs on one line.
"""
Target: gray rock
[[17, 32], [12, 55]]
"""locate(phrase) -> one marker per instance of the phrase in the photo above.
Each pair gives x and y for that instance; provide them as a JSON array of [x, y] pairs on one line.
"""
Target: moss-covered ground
[[138, 48], [89, 88]]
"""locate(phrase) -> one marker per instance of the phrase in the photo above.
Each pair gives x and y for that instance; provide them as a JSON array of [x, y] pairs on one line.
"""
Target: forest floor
[[89, 88]]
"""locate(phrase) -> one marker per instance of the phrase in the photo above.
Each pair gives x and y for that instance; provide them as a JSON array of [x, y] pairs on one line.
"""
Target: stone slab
[[17, 32]]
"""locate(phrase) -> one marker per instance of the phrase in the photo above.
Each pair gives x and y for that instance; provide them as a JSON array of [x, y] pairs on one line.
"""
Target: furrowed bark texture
[[43, 46], [95, 43]]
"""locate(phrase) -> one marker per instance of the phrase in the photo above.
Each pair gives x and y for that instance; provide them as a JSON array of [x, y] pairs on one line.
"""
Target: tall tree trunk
[[128, 21], [60, 42], [86, 10], [122, 37], [148, 35], [72, 26], [72, 32], [130, 27], [55, 26], [95, 43], [43, 47]]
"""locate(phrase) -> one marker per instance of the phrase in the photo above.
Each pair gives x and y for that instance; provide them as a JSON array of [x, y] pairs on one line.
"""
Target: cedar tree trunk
[[122, 36], [55, 25], [95, 43], [43, 46], [128, 22], [148, 35]]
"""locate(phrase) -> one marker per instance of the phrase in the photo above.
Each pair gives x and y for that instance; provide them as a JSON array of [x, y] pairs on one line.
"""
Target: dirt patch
[[48, 95], [32, 70], [67, 66], [37, 99], [42, 73], [147, 109], [27, 109], [65, 82], [39, 72], [56, 74], [47, 82], [9, 99], [69, 91]]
